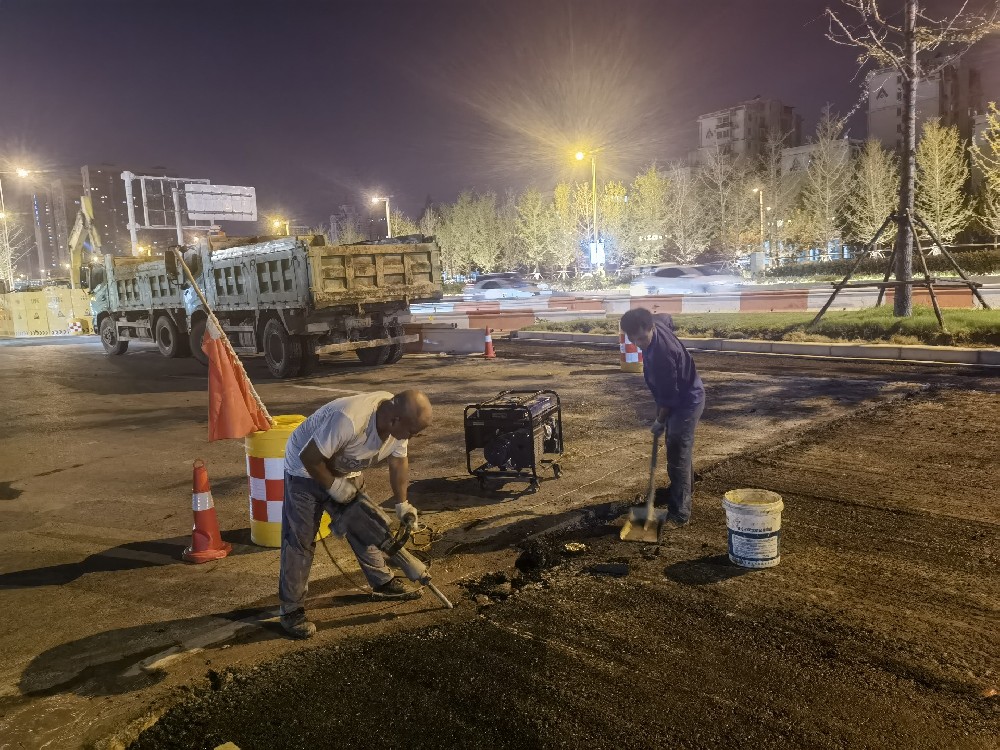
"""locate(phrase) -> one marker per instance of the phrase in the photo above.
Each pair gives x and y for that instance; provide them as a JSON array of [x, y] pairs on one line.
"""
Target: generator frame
[[484, 472]]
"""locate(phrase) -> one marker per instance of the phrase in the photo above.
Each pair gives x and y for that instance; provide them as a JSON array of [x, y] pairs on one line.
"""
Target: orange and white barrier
[[489, 353], [631, 355], [266, 474], [206, 541]]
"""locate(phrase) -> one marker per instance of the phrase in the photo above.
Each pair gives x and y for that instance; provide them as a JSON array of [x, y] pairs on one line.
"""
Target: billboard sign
[[220, 202]]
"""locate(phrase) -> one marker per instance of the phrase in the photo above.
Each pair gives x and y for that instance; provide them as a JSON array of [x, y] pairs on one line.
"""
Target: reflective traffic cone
[[489, 353], [206, 542]]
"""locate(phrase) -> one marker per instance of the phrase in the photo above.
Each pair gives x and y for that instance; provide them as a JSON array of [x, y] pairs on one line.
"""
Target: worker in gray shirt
[[324, 458]]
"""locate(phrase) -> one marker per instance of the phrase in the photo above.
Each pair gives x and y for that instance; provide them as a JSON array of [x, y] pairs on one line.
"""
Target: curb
[[884, 352]]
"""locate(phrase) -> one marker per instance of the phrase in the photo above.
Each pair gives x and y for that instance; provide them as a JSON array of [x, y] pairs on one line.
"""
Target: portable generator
[[514, 430]]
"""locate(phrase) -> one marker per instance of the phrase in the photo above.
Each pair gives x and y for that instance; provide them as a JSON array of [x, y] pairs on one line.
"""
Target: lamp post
[[580, 156], [278, 223], [760, 201], [388, 224], [7, 269]]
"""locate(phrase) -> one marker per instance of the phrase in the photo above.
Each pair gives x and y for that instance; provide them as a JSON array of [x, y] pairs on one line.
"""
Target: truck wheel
[[374, 356], [113, 345], [168, 338], [282, 351], [395, 354], [194, 341], [310, 359]]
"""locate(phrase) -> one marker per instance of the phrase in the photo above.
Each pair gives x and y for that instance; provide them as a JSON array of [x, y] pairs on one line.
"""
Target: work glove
[[342, 490], [406, 509], [658, 428]]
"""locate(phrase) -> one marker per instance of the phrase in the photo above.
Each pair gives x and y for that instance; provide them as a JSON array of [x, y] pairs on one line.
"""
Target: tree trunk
[[903, 301]]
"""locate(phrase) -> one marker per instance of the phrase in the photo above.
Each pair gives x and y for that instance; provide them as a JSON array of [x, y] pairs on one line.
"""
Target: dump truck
[[290, 299]]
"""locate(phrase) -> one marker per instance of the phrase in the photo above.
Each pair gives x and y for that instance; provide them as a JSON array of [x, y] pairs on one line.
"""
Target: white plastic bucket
[[754, 521]]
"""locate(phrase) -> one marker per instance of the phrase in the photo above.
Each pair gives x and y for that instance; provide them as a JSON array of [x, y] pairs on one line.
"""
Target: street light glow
[[22, 172], [580, 155], [276, 223]]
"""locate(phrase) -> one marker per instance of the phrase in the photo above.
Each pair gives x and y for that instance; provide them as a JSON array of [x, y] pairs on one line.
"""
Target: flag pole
[[225, 339]]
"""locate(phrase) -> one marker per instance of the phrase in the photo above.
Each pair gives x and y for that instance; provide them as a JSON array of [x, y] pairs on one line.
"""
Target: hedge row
[[977, 263]]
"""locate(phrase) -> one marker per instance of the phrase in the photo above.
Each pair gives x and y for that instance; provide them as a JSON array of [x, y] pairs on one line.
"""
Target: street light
[[278, 223], [580, 156], [760, 200], [388, 225], [7, 267]]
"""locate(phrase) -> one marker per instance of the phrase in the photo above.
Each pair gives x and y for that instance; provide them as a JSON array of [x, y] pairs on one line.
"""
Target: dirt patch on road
[[877, 629]]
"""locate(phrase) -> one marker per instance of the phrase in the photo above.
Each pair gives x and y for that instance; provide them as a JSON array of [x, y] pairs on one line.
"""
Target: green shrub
[[976, 263]]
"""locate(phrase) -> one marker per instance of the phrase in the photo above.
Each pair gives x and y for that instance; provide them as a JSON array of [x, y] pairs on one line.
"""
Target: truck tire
[[395, 354], [169, 340], [282, 351], [374, 356], [113, 346], [310, 359], [194, 340]]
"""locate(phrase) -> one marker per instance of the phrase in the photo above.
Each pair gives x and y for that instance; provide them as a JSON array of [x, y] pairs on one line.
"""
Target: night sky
[[321, 103]]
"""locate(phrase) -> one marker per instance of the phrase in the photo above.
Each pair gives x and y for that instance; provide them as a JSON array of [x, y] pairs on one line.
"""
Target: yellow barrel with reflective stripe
[[266, 474]]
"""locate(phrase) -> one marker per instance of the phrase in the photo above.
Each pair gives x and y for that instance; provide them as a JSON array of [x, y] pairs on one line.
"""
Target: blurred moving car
[[506, 285], [669, 278]]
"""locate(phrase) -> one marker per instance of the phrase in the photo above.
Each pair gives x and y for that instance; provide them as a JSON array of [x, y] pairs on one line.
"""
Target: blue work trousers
[[681, 424]]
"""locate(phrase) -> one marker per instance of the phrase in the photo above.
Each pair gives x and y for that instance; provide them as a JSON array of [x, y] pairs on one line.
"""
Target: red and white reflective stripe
[[265, 510], [202, 501], [267, 488], [630, 353]]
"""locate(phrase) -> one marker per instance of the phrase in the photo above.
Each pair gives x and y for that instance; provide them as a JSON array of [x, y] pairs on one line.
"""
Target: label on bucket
[[752, 550]]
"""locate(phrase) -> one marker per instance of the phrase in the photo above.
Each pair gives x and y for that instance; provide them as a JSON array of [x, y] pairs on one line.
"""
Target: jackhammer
[[370, 524]]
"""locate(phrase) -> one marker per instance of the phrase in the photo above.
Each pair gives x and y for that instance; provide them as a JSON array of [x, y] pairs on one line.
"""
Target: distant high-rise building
[[743, 130], [955, 94]]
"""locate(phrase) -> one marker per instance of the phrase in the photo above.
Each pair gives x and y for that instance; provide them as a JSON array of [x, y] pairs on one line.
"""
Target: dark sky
[[318, 103]]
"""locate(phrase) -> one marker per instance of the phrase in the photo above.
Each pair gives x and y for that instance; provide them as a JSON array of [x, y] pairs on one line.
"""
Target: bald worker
[[324, 458]]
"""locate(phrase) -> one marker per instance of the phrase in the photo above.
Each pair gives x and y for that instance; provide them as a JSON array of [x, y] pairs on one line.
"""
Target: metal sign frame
[[172, 208]]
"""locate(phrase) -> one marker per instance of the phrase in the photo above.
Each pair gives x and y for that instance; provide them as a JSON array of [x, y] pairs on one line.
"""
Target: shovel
[[643, 524]]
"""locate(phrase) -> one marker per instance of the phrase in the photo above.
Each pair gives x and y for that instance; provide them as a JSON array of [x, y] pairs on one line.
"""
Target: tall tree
[[402, 224], [873, 195], [348, 231], [826, 183], [987, 160], [906, 48], [942, 174], [729, 200], [534, 228], [618, 229], [566, 247], [781, 192], [686, 223], [649, 213]]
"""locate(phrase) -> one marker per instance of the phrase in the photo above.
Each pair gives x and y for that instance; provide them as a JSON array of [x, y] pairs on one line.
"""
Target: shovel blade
[[640, 527]]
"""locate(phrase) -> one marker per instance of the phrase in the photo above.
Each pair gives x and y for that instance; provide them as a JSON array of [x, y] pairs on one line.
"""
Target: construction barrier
[[631, 355], [53, 311], [266, 473]]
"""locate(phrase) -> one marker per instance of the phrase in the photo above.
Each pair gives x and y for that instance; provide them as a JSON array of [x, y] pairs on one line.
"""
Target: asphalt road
[[874, 631]]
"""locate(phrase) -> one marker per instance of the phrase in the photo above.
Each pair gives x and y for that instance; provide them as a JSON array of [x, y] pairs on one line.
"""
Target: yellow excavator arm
[[83, 229]]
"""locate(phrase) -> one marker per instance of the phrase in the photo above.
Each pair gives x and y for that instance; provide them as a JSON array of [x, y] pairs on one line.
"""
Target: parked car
[[506, 285], [675, 279]]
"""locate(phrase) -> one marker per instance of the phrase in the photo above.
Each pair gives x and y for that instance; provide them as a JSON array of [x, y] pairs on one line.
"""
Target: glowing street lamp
[[279, 223], [388, 225]]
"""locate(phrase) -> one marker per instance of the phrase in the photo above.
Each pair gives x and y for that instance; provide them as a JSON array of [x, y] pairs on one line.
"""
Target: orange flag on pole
[[233, 408]]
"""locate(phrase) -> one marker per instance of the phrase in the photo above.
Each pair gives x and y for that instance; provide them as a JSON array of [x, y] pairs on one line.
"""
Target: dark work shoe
[[296, 624], [394, 588]]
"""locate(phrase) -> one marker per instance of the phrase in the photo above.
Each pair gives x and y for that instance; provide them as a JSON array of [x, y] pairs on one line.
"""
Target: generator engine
[[515, 430]]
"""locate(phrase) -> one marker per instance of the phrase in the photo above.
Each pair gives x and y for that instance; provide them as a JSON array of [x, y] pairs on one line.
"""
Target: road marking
[[324, 388]]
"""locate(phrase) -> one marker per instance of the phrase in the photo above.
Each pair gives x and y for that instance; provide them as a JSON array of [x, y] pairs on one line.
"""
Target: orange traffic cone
[[489, 353], [206, 542]]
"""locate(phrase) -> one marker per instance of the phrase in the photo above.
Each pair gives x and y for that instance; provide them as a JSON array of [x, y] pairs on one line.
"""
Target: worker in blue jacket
[[680, 399]]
